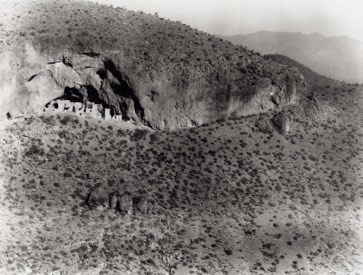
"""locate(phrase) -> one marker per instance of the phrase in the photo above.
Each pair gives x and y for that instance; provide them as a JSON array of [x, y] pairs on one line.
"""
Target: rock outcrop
[[264, 124], [282, 121], [98, 198], [123, 202], [134, 79]]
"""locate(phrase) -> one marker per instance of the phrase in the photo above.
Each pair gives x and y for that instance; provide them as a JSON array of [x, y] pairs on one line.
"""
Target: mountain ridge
[[338, 57]]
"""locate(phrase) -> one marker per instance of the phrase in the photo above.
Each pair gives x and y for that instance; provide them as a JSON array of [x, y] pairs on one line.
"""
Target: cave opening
[[73, 94], [87, 95], [124, 108], [83, 94], [125, 104]]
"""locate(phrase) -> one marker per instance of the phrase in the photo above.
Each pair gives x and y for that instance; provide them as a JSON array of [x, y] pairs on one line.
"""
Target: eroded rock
[[144, 98], [113, 201], [98, 197], [282, 122], [141, 203], [264, 124], [124, 203]]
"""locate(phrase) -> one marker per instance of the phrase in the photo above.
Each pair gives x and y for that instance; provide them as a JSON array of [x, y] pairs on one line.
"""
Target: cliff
[[148, 70]]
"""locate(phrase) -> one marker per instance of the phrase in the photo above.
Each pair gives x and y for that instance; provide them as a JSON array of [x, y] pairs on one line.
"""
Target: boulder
[[98, 197], [141, 203], [264, 124], [113, 201], [125, 203], [282, 122]]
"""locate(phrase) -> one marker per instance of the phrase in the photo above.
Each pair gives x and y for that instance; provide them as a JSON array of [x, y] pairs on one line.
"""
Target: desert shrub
[[138, 135], [34, 150], [65, 120], [313, 158], [48, 120], [154, 138]]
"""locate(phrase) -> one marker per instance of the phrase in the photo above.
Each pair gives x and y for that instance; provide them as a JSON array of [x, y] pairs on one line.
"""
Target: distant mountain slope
[[315, 80], [152, 71], [337, 57]]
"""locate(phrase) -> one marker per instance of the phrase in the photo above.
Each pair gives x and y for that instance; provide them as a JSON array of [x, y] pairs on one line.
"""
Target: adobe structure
[[84, 109]]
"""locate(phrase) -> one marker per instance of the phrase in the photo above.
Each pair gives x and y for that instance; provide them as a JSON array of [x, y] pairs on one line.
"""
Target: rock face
[[156, 102], [133, 84], [283, 121]]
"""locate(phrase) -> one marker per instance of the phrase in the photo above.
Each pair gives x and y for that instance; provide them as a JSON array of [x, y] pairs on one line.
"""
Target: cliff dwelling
[[82, 102]]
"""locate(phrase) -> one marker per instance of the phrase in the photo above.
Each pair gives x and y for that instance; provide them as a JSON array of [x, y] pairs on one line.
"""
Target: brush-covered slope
[[150, 70], [316, 81], [339, 57], [83, 197]]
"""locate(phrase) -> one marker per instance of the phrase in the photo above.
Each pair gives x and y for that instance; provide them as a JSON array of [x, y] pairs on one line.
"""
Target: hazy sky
[[328, 17]]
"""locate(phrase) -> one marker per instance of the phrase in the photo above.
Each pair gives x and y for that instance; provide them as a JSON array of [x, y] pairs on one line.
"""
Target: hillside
[[131, 144], [85, 196], [149, 70], [316, 81], [336, 57]]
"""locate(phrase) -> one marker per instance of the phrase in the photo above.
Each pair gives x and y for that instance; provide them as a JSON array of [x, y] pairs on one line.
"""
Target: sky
[[227, 17]]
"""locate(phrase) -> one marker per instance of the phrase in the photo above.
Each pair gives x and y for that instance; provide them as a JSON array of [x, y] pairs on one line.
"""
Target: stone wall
[[85, 109]]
